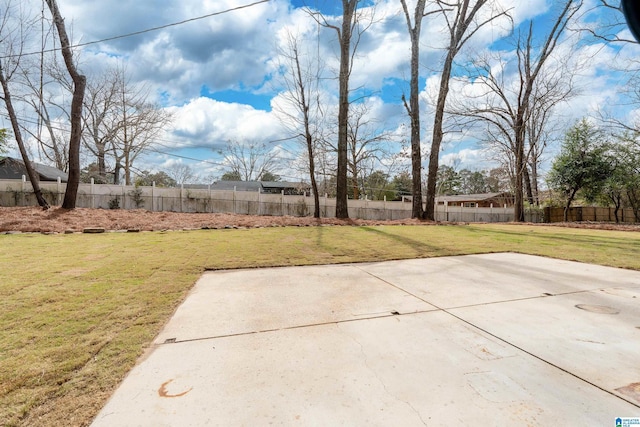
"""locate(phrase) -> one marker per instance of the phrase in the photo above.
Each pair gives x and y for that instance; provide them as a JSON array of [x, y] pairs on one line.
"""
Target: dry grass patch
[[76, 311]]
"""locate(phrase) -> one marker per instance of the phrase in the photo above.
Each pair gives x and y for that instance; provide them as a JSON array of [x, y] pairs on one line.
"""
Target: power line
[[176, 144], [148, 30], [164, 143], [208, 161]]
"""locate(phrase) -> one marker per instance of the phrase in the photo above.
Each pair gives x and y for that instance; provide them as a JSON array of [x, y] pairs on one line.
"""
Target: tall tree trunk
[[532, 67], [102, 164], [33, 176], [79, 84], [311, 154], [617, 203], [355, 186], [314, 183], [413, 109], [527, 184], [127, 168], [116, 173], [352, 167], [460, 31], [438, 133], [568, 205], [534, 182], [520, 165], [300, 87], [349, 7]]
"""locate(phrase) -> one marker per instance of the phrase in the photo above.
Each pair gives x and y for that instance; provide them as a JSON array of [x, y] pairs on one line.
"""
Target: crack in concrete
[[506, 341], [543, 295], [384, 386], [172, 341]]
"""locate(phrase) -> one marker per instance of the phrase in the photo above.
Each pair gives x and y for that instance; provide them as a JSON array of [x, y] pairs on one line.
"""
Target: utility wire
[[148, 30], [159, 142], [162, 142]]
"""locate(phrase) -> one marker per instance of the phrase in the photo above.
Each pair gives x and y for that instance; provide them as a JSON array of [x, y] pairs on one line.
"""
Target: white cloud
[[237, 50], [467, 158], [204, 122]]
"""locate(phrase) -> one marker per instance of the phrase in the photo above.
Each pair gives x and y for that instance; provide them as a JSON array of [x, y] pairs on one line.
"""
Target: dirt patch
[[58, 220]]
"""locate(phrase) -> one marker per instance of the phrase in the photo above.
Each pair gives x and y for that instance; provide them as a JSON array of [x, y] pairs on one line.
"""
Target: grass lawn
[[78, 310]]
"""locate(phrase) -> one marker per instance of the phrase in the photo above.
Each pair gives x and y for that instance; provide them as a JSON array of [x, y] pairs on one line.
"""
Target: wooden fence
[[109, 196], [589, 213]]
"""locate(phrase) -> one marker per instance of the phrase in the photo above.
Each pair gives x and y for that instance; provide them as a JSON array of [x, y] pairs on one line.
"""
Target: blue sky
[[218, 75]]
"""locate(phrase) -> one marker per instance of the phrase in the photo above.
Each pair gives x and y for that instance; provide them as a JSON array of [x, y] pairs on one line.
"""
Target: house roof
[[283, 184], [237, 185], [46, 173], [255, 185], [458, 198]]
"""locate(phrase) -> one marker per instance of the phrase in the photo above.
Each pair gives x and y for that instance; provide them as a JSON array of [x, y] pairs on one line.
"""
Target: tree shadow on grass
[[564, 238], [421, 249]]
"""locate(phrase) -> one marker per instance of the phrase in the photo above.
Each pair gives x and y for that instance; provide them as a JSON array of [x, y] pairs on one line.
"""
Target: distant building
[[12, 168], [289, 188], [484, 200], [265, 187]]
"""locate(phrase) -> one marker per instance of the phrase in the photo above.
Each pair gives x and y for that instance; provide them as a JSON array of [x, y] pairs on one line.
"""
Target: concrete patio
[[497, 339]]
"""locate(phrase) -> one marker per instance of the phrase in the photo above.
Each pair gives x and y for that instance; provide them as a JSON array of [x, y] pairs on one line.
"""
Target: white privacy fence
[[207, 200]]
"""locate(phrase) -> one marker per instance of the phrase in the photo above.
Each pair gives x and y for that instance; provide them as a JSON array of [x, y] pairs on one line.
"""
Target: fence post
[[325, 204], [365, 215], [24, 189], [181, 196], [282, 201], [234, 199], [491, 213], [384, 205], [210, 200], [153, 196], [124, 197], [259, 203], [59, 182], [93, 194]]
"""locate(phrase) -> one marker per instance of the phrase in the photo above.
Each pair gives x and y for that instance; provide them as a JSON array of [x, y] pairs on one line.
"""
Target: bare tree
[[47, 93], [413, 107], [251, 160], [326, 166], [14, 30], [121, 122], [79, 84], [301, 114], [507, 110], [102, 116], [622, 126], [610, 24], [462, 23], [364, 145], [553, 86], [349, 34], [181, 173], [140, 126]]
